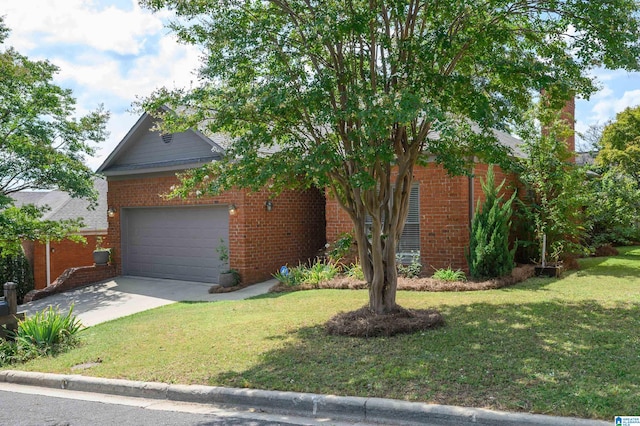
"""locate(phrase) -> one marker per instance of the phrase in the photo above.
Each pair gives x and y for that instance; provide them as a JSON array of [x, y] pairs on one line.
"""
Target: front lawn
[[568, 347]]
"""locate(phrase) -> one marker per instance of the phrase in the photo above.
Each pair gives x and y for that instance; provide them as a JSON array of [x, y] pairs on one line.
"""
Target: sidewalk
[[336, 408]]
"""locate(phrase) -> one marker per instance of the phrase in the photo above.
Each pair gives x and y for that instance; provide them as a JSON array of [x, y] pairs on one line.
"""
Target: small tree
[[489, 254], [554, 186]]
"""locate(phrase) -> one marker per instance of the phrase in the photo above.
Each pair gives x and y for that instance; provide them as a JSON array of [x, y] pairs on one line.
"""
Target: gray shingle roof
[[63, 206]]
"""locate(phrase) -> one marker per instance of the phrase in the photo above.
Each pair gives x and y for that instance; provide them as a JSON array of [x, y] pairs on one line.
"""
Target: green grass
[[568, 347]]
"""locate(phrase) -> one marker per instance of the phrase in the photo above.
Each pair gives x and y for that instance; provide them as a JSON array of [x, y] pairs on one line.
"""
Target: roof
[[63, 206], [130, 158], [584, 158], [113, 164]]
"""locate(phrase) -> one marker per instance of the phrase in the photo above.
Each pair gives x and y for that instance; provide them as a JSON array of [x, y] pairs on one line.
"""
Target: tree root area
[[365, 323]]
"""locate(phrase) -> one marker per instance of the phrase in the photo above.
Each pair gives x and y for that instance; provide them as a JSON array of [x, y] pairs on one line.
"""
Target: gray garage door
[[174, 243]]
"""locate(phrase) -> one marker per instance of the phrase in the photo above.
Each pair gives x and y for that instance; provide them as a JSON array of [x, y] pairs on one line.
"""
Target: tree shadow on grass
[[569, 359]]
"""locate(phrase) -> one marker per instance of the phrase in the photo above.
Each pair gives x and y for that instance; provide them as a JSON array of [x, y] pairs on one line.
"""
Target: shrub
[[47, 330], [355, 271], [318, 272], [16, 268], [449, 274], [340, 249], [46, 333], [413, 269], [489, 255]]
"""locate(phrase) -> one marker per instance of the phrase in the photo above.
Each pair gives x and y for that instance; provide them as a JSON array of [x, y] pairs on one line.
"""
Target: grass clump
[[449, 275], [319, 272], [46, 333]]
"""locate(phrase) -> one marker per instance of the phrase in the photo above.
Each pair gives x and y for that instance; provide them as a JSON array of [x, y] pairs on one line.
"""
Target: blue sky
[[112, 52]]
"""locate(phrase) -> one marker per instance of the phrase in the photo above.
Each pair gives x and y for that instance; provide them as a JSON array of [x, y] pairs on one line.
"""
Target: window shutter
[[410, 239], [409, 243]]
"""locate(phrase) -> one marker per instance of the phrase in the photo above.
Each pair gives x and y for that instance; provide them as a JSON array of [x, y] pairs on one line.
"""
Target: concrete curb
[[374, 410]]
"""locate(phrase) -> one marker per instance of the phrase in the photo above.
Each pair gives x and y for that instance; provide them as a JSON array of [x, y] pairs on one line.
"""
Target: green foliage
[[449, 274], [340, 248], [25, 223], [47, 328], [612, 203], [42, 144], [46, 333], [354, 271], [554, 186], [346, 95], [318, 272], [620, 144], [16, 269], [489, 254], [411, 270]]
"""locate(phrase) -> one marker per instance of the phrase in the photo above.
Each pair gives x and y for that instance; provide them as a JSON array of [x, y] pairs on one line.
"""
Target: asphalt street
[[33, 406]]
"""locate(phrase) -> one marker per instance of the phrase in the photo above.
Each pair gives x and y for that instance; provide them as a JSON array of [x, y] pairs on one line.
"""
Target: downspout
[[48, 262], [471, 198]]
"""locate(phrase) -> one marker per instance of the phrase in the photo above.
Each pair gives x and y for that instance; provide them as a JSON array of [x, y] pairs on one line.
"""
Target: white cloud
[[173, 66], [79, 22], [606, 108]]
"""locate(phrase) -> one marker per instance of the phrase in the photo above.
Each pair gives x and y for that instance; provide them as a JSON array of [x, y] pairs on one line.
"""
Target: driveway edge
[[375, 410]]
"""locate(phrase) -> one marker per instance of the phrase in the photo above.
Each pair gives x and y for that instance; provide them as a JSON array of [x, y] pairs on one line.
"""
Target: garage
[[173, 242]]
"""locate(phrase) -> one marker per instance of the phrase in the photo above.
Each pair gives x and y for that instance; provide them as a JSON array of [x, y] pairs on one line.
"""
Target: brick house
[[441, 208], [50, 259], [177, 238]]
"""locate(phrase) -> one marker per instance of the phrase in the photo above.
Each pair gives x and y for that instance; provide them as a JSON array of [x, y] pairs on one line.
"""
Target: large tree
[[620, 144], [351, 95], [43, 145]]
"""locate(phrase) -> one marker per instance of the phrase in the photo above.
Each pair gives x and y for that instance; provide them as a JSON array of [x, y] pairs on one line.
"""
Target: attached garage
[[174, 242]]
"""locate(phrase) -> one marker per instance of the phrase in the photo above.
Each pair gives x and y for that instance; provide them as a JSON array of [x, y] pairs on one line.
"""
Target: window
[[409, 243]]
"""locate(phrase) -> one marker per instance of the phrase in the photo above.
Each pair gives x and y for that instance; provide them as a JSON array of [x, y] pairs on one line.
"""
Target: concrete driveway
[[127, 295]]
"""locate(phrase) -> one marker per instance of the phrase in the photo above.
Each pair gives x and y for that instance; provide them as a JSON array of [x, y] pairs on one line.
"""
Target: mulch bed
[[364, 323], [519, 274]]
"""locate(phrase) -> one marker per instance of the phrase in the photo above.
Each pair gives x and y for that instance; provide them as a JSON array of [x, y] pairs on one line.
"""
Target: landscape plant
[[351, 96], [16, 268], [489, 252], [552, 202], [448, 274], [319, 271], [412, 269], [47, 332]]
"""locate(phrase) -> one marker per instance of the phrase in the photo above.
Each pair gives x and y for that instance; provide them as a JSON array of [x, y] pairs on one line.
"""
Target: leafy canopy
[[555, 187], [620, 144], [42, 145]]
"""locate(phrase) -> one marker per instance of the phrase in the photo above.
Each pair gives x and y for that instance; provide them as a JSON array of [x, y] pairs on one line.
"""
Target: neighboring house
[[49, 260], [586, 158], [441, 208], [177, 238]]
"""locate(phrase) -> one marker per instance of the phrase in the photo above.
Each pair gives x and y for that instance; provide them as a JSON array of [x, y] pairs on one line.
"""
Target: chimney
[[568, 114]]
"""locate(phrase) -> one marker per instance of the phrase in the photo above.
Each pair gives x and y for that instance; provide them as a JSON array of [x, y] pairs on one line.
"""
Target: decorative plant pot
[[228, 279], [551, 271], [101, 257]]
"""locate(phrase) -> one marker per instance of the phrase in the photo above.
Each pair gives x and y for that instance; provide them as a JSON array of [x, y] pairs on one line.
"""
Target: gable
[[144, 150]]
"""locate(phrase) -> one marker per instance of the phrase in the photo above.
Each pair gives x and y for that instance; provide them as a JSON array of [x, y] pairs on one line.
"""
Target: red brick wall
[[63, 255], [73, 278], [444, 215], [260, 241]]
